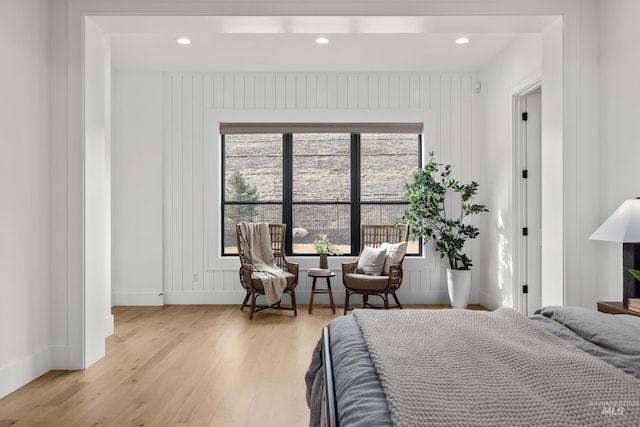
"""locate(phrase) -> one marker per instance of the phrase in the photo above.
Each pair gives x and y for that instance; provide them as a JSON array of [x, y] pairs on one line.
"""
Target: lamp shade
[[622, 226]]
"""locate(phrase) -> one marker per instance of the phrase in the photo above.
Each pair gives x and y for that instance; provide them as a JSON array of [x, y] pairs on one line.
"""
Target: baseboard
[[20, 372], [302, 297], [407, 296], [154, 298], [204, 297], [59, 357], [109, 326]]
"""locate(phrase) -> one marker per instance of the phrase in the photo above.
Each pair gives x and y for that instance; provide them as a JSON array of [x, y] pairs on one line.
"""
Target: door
[[528, 197]]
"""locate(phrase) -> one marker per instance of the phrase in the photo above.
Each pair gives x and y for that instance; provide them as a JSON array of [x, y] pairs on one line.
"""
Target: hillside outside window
[[316, 179]]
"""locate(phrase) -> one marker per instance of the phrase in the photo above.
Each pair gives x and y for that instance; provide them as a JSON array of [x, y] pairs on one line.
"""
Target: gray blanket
[[458, 367]]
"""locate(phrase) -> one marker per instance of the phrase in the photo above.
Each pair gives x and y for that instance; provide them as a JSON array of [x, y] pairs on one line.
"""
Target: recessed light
[[462, 40], [322, 40], [183, 41]]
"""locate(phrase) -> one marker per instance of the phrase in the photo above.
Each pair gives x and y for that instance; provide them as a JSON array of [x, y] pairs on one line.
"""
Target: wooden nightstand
[[615, 308]]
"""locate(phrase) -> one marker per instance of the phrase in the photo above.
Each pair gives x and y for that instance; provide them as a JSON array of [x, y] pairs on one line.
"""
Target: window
[[316, 182]]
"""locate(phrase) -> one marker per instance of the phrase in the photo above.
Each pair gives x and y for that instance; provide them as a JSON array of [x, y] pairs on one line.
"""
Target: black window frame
[[287, 202]]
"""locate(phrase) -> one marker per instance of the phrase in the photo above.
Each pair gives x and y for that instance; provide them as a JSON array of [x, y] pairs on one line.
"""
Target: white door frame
[[523, 207]]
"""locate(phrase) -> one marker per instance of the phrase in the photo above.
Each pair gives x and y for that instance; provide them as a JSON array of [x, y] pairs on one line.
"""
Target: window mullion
[[420, 151], [287, 189], [222, 195], [355, 193]]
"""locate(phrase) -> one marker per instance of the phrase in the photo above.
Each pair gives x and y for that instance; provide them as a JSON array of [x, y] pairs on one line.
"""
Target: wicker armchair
[[383, 286], [253, 285]]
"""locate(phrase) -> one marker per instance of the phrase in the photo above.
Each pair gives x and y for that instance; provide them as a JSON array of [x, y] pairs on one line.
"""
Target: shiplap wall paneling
[[197, 185], [250, 90], [218, 91], [302, 91], [188, 176], [228, 92], [239, 91], [177, 198], [190, 95], [167, 186], [443, 152], [207, 91], [435, 81], [231, 281], [321, 91], [455, 120], [259, 92], [332, 91], [425, 91], [466, 92]]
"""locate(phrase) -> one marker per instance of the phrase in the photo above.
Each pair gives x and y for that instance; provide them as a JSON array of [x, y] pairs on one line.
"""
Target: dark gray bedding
[[359, 395], [612, 338]]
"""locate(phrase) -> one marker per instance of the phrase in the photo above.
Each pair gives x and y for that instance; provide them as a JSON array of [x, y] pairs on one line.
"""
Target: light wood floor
[[183, 365]]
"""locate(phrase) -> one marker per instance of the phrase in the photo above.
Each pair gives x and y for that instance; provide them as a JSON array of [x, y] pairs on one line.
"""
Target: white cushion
[[395, 252], [371, 261]]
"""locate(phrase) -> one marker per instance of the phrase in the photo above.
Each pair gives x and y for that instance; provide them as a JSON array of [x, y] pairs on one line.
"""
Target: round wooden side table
[[317, 273]]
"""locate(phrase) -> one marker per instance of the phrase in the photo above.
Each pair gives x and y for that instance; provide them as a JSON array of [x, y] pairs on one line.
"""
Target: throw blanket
[[460, 367], [256, 244]]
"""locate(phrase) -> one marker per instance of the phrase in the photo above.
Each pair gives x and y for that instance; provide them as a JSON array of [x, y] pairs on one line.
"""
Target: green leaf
[[323, 246], [636, 273], [427, 212]]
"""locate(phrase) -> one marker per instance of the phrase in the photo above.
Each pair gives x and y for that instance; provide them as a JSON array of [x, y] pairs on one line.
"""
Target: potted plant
[[324, 247], [429, 219]]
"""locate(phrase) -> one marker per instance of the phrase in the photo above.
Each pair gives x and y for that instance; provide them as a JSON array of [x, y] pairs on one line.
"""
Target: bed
[[562, 366]]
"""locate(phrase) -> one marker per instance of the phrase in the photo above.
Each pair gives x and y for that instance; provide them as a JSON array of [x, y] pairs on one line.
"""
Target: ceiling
[[287, 43]]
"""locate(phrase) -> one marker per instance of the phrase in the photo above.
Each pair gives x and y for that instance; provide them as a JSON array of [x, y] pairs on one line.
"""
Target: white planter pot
[[459, 284]]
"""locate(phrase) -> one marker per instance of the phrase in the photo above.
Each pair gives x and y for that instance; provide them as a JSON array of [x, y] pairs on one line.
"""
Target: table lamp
[[624, 226]]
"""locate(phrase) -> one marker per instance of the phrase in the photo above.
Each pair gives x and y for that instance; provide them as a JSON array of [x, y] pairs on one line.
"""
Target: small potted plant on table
[[324, 247]]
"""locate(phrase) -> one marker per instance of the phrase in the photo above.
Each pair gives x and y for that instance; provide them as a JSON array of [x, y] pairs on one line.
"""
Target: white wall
[[137, 188], [515, 68], [569, 161], [194, 104], [619, 134], [97, 231], [25, 284], [552, 161]]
